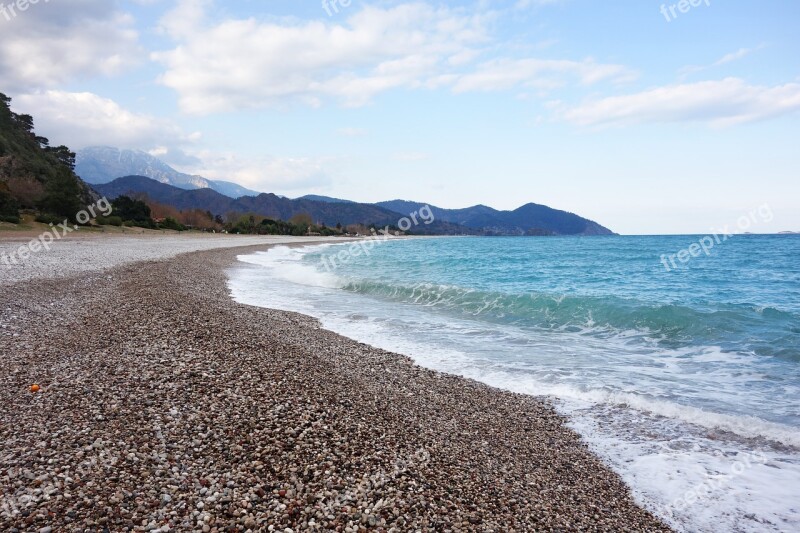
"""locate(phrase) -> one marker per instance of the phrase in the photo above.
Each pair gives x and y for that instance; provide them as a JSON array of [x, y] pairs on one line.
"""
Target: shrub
[[148, 224], [46, 218], [171, 223], [109, 221], [9, 208], [130, 209]]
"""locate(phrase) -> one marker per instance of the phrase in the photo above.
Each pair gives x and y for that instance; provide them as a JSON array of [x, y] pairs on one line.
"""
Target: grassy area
[[29, 225]]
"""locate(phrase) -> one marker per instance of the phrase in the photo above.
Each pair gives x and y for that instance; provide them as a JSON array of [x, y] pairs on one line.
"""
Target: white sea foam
[[286, 264], [695, 483]]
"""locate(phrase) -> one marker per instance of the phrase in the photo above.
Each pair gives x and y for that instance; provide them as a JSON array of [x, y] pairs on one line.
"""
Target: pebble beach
[[166, 406]]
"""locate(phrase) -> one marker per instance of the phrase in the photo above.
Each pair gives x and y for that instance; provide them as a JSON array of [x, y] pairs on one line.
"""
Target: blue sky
[[610, 110]]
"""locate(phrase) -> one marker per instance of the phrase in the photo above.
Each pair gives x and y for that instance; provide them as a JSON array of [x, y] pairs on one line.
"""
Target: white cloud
[[718, 103], [724, 60], [86, 119], [57, 42], [267, 173], [238, 64], [504, 74], [223, 65], [525, 4], [734, 56], [174, 157], [79, 120]]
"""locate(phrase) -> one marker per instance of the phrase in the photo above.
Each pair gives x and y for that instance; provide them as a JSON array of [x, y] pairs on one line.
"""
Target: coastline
[[167, 404]]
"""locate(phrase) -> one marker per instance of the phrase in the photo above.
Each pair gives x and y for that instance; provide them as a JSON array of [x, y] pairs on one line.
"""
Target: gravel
[[89, 252], [166, 406]]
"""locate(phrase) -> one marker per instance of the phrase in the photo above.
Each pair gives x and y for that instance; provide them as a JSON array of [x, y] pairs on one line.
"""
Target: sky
[[646, 116]]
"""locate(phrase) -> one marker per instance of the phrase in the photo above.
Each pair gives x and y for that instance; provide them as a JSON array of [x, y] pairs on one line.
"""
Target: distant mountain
[[318, 198], [234, 190], [530, 219], [103, 164], [268, 205], [206, 199]]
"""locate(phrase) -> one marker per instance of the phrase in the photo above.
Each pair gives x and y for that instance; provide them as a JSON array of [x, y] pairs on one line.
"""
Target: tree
[[9, 207], [135, 211], [62, 195], [302, 219], [23, 121], [63, 154], [196, 218], [171, 223]]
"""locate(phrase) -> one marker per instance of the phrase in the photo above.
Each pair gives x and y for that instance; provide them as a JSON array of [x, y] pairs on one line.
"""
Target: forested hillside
[[33, 174]]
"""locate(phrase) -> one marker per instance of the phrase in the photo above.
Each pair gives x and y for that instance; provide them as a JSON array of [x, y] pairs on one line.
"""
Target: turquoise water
[[745, 298], [673, 375]]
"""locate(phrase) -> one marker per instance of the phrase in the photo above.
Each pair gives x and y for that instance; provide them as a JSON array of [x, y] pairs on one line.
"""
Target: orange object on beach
[[35, 388]]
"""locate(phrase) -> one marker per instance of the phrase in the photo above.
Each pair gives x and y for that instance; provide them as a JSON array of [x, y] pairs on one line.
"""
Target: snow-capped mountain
[[104, 164]]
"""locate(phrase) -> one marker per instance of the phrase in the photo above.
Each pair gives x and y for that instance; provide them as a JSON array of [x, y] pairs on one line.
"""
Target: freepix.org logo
[[56, 233], [343, 257], [673, 11], [10, 11]]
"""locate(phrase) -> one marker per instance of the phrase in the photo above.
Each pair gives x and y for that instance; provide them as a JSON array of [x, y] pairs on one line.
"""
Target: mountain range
[[34, 175], [530, 219], [103, 164]]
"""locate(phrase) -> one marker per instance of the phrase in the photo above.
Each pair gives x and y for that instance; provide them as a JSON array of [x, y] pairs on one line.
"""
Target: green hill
[[34, 175]]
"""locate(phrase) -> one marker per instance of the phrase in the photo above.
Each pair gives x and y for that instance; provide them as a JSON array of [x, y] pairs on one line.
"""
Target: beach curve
[[164, 405]]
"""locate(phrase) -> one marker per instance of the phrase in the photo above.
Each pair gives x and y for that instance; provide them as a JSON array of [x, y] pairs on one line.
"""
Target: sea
[[682, 375]]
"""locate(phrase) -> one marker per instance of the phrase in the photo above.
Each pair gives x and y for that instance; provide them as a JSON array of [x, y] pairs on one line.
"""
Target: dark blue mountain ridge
[[530, 219]]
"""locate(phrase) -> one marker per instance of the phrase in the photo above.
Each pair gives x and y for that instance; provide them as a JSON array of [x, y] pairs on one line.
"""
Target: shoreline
[[167, 404], [94, 252]]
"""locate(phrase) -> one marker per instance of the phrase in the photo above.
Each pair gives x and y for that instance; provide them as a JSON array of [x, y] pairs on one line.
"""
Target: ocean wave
[[286, 263], [760, 330]]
